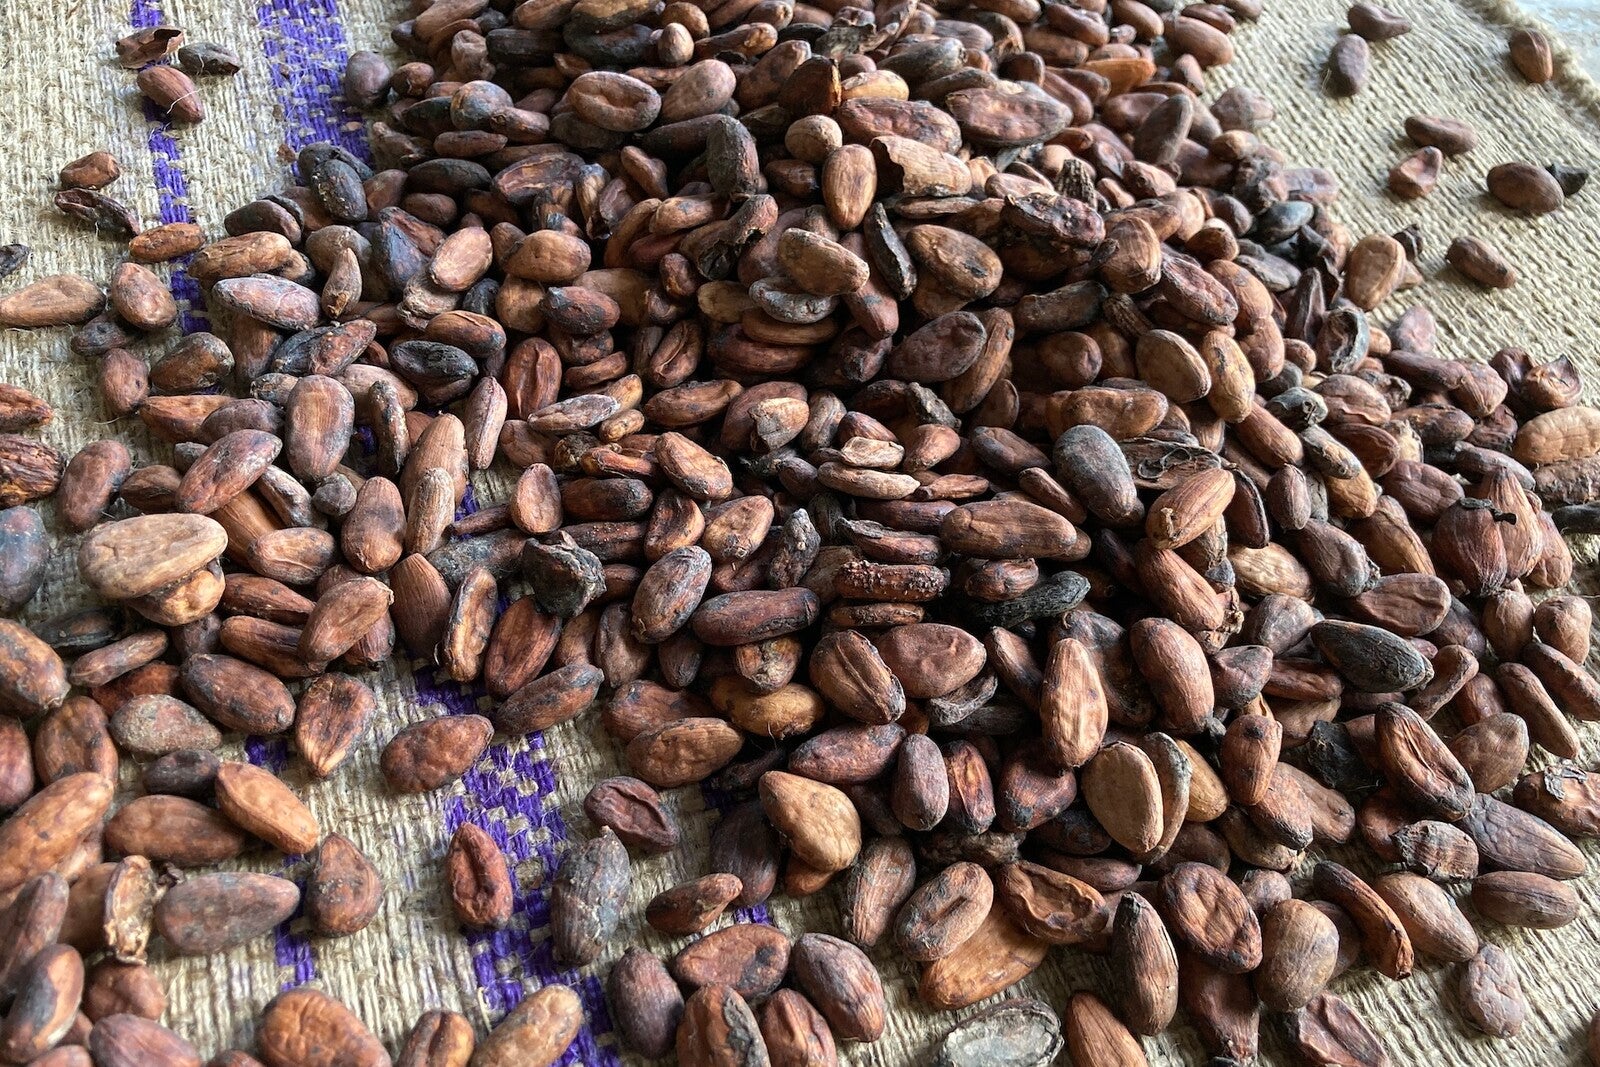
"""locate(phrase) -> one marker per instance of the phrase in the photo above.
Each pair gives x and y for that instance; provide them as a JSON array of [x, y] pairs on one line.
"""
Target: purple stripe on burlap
[[506, 793], [509, 794], [172, 190], [306, 52], [291, 948], [304, 47]]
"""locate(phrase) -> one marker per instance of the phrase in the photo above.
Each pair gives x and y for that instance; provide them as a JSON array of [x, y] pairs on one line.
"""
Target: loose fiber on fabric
[[66, 96]]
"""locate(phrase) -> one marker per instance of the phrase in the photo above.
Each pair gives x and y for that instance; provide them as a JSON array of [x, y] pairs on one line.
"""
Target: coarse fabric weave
[[65, 96]]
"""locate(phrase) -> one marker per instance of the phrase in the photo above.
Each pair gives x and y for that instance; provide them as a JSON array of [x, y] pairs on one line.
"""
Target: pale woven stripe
[[67, 97]]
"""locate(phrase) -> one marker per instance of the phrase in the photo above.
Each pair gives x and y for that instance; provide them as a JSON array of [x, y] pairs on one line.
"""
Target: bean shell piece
[[1021, 1032]]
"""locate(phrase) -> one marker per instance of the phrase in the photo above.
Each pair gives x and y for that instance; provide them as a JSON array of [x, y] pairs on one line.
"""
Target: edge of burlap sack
[[528, 792], [1575, 79]]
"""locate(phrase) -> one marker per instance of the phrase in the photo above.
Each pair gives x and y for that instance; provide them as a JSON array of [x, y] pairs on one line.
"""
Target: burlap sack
[[64, 96]]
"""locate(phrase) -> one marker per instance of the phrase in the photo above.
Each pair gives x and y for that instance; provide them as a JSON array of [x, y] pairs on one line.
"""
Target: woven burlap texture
[[66, 96]]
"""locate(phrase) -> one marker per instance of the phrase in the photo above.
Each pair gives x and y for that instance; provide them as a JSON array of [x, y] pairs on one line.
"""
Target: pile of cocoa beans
[[932, 426]]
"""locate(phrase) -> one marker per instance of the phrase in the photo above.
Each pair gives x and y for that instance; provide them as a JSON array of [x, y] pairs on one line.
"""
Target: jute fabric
[[65, 96]]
